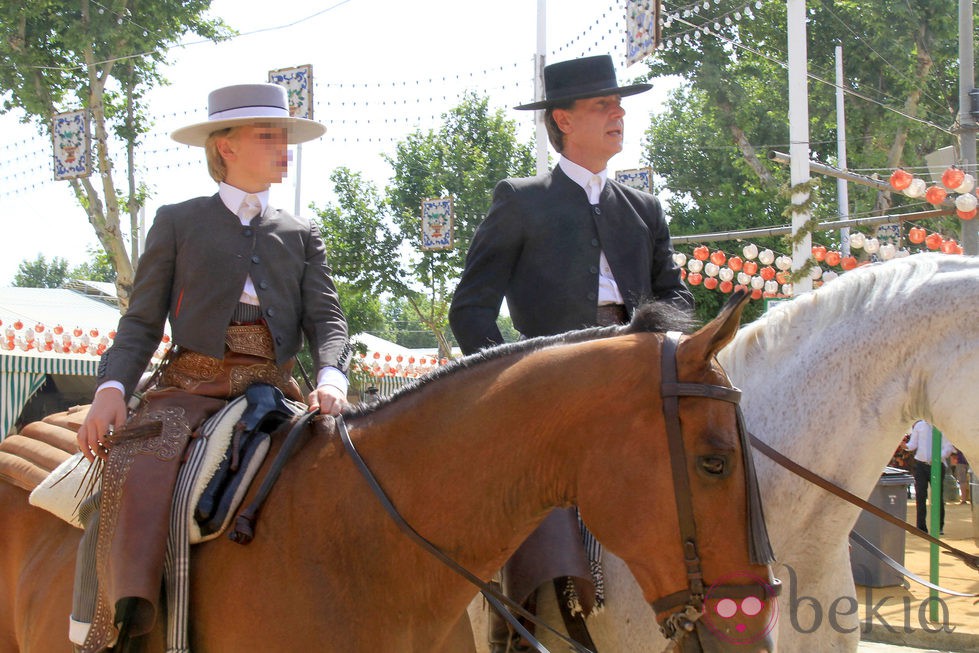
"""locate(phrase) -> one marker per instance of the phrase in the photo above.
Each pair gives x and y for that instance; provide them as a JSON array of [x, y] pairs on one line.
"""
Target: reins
[[969, 559]]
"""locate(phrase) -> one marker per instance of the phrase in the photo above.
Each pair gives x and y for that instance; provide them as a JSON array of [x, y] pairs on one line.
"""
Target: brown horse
[[473, 459]]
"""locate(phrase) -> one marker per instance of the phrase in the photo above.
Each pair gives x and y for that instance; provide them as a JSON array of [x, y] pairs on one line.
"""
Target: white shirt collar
[[579, 174], [233, 197]]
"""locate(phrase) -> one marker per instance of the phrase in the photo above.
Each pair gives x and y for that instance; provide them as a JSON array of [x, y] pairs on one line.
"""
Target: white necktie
[[594, 189], [250, 207]]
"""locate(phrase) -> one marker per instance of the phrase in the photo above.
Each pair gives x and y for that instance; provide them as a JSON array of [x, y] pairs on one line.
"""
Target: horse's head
[[689, 521]]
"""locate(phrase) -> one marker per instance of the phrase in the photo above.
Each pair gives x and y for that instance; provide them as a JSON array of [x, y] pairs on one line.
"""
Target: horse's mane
[[867, 289], [651, 317]]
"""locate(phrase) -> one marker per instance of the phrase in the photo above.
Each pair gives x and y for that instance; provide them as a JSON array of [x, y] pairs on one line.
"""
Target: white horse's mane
[[867, 289]]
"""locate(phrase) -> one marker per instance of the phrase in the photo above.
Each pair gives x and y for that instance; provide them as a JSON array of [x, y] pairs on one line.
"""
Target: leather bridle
[[682, 622], [691, 600]]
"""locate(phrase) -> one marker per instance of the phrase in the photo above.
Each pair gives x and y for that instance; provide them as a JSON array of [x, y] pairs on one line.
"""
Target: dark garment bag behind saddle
[[266, 411]]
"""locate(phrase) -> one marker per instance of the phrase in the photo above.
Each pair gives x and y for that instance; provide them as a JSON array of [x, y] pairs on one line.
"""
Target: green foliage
[[97, 268], [41, 274], [374, 239]]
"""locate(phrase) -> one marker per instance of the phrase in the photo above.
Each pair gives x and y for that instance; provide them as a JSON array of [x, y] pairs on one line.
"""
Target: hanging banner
[[299, 89], [437, 223], [640, 178], [642, 29], [71, 145]]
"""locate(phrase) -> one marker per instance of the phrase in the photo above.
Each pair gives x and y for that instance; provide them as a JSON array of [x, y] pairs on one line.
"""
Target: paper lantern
[[781, 277], [783, 262], [917, 235], [766, 256], [694, 278], [968, 183], [750, 251], [695, 265], [952, 178], [18, 325], [815, 272], [710, 283], [965, 215], [680, 259], [966, 202], [735, 263], [935, 195], [848, 262], [726, 274], [711, 269], [767, 273], [887, 251], [701, 253], [950, 246], [744, 279], [756, 293], [916, 189], [819, 252], [787, 289], [900, 179], [757, 283], [718, 258], [833, 258], [934, 241], [771, 287], [726, 287], [750, 267]]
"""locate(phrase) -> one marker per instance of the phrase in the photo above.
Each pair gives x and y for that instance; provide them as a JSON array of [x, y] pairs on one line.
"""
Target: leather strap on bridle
[[970, 560]]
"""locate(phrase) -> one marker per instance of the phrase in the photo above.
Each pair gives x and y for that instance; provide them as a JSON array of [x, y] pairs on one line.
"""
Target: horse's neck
[[479, 464]]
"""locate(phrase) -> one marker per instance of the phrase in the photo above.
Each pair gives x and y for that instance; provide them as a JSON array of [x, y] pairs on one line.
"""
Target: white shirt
[[920, 442], [593, 184]]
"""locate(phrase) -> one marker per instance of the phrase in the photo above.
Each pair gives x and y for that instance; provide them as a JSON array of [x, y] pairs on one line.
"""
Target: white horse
[[832, 379]]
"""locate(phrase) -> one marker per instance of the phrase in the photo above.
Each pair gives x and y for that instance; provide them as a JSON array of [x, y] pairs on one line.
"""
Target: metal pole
[[299, 175], [934, 519], [799, 136], [539, 62], [842, 190], [967, 125]]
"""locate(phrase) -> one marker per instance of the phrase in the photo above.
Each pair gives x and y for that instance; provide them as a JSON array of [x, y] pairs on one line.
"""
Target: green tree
[[41, 274], [710, 143], [97, 268], [373, 240], [61, 55]]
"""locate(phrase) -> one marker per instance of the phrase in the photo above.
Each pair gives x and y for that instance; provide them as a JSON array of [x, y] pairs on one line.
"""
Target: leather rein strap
[[970, 560], [493, 596]]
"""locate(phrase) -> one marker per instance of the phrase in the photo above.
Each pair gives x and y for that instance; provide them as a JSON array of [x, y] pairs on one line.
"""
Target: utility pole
[[842, 190], [799, 135], [967, 124], [539, 62]]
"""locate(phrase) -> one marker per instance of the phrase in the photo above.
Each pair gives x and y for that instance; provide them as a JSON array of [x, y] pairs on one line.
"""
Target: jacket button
[[593, 270], [594, 242], [270, 311], [596, 210], [246, 232], [255, 258], [264, 285], [278, 340], [592, 297]]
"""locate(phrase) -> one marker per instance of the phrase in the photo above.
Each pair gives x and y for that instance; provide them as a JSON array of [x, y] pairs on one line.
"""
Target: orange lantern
[[819, 252], [735, 263], [756, 293], [952, 178], [833, 258], [694, 278], [781, 277], [701, 253], [18, 325], [966, 215], [935, 195], [683, 274], [934, 241], [950, 246], [718, 258], [848, 262], [726, 287], [750, 268], [900, 179], [767, 273], [917, 235], [710, 283]]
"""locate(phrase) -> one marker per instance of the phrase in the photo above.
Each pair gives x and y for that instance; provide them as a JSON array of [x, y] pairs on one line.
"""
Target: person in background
[[960, 469], [568, 249], [920, 444]]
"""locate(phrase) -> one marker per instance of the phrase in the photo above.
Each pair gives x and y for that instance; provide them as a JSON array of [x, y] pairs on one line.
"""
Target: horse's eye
[[714, 465]]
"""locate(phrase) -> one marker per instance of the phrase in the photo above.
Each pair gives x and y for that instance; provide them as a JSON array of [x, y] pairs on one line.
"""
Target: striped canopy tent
[[50, 331]]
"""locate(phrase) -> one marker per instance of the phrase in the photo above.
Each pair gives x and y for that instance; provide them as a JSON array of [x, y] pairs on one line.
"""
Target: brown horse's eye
[[713, 465]]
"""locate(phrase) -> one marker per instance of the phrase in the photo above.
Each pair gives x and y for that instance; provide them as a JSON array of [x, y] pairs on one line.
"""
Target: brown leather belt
[[610, 314]]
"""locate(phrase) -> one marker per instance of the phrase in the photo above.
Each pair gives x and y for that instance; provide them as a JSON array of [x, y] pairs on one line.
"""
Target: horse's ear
[[717, 333]]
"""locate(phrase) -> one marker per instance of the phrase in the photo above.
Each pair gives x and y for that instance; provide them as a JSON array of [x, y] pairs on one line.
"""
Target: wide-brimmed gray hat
[[243, 104], [578, 79]]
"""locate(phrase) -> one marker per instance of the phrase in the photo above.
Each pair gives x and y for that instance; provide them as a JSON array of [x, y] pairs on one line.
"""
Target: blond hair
[[554, 133], [216, 165]]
